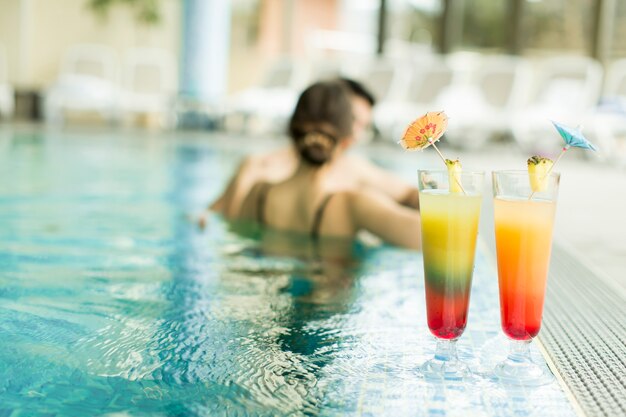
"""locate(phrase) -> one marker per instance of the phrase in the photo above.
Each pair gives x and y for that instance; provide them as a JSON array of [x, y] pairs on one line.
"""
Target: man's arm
[[373, 177], [386, 219]]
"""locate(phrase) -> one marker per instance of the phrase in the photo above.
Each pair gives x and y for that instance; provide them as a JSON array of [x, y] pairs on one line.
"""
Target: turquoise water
[[113, 303]]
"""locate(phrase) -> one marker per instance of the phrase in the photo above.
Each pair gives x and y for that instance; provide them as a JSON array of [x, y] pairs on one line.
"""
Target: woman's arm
[[229, 203]]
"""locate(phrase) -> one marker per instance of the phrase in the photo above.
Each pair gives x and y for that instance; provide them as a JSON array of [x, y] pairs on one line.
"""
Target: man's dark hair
[[359, 90]]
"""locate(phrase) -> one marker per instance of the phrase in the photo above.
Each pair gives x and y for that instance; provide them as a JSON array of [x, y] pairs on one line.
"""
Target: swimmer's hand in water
[[202, 220]]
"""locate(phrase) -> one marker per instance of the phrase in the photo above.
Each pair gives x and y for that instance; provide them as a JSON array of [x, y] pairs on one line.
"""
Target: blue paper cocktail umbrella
[[572, 137]]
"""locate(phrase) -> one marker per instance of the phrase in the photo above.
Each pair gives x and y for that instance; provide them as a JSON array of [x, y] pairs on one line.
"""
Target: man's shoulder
[[358, 161]]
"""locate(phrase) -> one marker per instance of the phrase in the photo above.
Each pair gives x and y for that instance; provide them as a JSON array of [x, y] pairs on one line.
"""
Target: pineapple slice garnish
[[454, 175], [538, 169]]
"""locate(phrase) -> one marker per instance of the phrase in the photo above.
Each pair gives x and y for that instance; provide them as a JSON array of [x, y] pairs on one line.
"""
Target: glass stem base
[[519, 369], [445, 365]]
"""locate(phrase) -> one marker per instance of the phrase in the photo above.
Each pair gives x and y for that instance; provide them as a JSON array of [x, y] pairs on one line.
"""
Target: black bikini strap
[[317, 221], [260, 208]]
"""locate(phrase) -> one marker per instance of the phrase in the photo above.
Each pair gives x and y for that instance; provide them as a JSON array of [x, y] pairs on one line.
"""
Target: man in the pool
[[351, 172]]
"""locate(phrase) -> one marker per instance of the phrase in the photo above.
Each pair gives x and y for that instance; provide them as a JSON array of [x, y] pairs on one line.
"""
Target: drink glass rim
[[445, 171], [519, 172]]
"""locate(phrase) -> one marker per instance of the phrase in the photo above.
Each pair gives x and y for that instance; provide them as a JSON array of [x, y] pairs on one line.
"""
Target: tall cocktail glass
[[523, 229], [449, 230]]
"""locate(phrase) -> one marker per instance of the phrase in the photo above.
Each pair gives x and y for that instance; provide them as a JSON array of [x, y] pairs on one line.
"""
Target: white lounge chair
[[7, 95], [332, 53], [149, 84], [385, 78], [430, 77], [566, 89], [267, 107], [88, 82], [324, 68], [607, 126], [484, 105]]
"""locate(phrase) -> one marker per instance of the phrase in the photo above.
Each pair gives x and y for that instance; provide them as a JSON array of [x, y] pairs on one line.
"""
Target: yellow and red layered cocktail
[[449, 230], [450, 208]]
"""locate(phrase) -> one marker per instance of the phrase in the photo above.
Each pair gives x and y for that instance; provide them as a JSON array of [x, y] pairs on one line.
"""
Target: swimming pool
[[113, 303]]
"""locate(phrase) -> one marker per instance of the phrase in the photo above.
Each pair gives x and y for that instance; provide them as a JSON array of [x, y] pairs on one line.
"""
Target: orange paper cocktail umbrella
[[424, 131]]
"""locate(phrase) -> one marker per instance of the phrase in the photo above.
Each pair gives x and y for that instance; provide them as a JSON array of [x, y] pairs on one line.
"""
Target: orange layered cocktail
[[523, 244], [524, 208]]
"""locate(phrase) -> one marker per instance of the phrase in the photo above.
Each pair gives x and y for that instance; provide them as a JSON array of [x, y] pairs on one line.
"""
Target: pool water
[[112, 302]]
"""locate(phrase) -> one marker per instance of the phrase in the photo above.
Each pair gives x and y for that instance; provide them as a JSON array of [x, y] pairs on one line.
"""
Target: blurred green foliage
[[146, 11]]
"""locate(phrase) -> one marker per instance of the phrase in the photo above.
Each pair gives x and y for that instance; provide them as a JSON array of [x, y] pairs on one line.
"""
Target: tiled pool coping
[[584, 334]]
